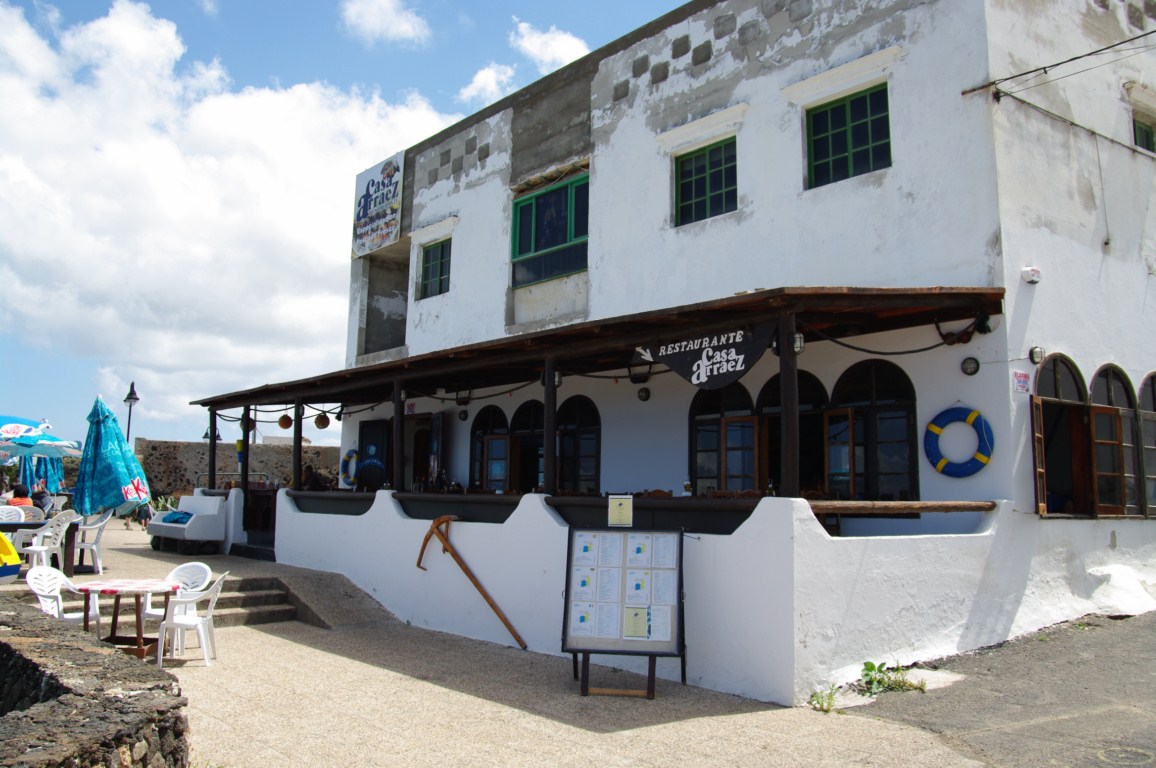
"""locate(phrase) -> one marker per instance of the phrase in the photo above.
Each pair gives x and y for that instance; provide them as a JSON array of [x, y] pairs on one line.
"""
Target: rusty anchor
[[436, 529]]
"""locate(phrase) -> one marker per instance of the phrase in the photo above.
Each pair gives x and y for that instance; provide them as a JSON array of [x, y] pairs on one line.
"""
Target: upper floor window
[[435, 270], [1144, 130], [849, 136], [551, 232], [706, 182]]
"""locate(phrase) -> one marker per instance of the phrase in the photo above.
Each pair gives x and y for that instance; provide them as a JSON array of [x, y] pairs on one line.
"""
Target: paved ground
[[375, 692]]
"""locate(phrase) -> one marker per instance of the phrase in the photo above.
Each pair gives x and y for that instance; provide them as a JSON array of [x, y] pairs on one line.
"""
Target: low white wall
[[914, 598], [774, 611]]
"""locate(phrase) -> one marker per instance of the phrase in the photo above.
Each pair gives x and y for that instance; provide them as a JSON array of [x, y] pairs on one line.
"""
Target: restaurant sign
[[377, 206], [713, 360]]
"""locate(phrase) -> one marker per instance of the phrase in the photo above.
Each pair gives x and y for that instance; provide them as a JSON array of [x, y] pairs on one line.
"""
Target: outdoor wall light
[[797, 344], [1037, 355], [463, 415], [644, 393], [322, 421], [969, 365]]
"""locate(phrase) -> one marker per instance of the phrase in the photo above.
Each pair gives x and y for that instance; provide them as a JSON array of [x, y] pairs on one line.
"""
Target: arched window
[[579, 446], [1061, 440], [1147, 409], [1115, 458], [871, 436], [722, 440], [813, 404], [489, 450], [527, 470]]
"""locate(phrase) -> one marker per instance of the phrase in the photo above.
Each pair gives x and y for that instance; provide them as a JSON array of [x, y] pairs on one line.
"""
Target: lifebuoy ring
[[982, 453], [346, 477]]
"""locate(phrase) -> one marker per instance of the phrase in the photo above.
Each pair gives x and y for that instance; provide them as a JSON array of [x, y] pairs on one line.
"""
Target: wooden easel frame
[[630, 647]]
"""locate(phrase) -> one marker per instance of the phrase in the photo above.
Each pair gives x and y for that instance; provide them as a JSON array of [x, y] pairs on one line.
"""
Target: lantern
[[322, 421], [285, 421]]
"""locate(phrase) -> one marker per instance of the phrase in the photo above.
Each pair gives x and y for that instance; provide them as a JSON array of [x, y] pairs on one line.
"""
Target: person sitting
[[43, 499], [20, 496], [311, 481]]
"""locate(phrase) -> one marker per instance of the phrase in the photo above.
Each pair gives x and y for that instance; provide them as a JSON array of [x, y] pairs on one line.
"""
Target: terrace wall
[[67, 699]]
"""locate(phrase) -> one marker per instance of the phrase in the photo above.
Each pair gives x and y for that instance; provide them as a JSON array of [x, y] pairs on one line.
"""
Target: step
[[258, 614], [249, 600]]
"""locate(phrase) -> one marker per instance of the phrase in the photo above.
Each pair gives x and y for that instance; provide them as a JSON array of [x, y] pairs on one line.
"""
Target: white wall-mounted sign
[[377, 206]]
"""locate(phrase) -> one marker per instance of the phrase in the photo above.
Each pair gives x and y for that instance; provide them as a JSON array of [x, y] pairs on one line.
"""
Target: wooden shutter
[[1038, 452], [1108, 491]]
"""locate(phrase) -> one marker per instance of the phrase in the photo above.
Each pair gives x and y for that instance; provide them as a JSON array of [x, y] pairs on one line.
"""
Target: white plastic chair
[[46, 583], [47, 540], [33, 514], [11, 514], [176, 621], [96, 528], [193, 576], [58, 503]]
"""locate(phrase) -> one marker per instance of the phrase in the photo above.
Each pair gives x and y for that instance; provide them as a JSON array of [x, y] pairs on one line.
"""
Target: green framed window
[[1145, 133], [551, 230], [706, 182], [435, 270], [848, 137]]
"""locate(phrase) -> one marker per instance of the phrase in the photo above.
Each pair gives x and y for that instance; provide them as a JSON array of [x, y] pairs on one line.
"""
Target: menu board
[[623, 592]]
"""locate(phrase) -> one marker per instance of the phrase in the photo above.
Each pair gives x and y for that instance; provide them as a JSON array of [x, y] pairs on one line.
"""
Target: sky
[[177, 181]]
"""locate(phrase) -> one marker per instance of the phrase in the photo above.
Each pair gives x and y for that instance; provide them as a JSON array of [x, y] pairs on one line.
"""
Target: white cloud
[[177, 233], [208, 6], [489, 84], [548, 50], [385, 20]]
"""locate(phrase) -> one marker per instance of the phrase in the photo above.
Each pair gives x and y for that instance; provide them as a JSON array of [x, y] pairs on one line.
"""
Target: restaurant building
[[858, 295]]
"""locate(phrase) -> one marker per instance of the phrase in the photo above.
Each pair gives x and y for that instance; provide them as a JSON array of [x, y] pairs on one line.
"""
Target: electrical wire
[[1044, 69], [1145, 49]]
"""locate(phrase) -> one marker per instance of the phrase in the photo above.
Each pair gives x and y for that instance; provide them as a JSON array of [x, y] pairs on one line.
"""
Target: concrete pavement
[[373, 691]]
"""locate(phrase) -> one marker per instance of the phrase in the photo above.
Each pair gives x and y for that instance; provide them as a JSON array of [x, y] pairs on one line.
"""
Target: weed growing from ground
[[824, 701], [877, 678]]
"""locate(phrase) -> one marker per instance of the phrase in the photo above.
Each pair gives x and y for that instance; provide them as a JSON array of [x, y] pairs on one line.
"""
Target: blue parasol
[[27, 474], [109, 473], [24, 437], [51, 471]]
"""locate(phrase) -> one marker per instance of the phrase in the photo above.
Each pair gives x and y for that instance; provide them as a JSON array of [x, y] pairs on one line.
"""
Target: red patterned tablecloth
[[128, 586]]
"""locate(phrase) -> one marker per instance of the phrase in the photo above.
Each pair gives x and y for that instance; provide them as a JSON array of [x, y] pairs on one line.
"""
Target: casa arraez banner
[[713, 360], [377, 206]]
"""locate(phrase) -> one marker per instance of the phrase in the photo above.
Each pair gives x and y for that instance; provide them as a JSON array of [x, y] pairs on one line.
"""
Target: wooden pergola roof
[[608, 345]]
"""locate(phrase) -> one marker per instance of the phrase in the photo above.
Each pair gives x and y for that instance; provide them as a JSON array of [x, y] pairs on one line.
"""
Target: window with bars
[[551, 232], [849, 137], [706, 182], [435, 270]]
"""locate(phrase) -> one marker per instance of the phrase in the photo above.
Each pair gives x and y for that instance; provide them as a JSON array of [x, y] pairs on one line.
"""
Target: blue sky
[[176, 180]]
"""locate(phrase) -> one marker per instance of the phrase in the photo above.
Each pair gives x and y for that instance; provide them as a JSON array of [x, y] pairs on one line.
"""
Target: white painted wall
[[774, 611]]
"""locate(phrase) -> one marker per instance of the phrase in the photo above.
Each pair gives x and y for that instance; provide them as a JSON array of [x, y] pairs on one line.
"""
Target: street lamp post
[[130, 400]]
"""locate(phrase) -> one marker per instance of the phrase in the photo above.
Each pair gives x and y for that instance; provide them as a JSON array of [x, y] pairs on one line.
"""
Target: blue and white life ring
[[347, 477], [982, 453]]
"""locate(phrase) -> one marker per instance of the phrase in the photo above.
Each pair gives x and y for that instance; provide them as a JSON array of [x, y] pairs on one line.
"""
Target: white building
[[947, 207]]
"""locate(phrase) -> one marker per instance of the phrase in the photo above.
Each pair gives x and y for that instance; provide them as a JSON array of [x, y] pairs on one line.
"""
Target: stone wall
[[176, 468], [68, 699]]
